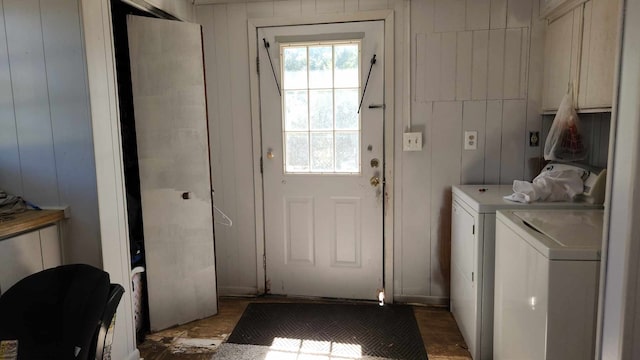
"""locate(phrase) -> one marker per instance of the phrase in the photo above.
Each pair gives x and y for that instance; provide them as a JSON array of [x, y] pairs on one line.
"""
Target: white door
[[167, 75], [322, 161]]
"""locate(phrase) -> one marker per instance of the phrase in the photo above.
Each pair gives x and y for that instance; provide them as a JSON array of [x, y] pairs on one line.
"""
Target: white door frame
[[389, 123]]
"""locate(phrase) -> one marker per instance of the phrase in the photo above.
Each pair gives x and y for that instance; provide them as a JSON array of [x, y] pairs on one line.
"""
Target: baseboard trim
[[237, 291], [423, 300]]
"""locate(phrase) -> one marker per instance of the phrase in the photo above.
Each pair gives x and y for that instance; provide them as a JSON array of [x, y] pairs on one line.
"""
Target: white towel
[[558, 185]]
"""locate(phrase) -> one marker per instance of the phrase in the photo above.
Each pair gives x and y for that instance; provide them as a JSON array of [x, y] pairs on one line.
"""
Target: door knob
[[375, 181], [270, 154]]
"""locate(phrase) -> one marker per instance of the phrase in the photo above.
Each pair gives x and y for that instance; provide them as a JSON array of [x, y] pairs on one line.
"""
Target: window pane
[[295, 68], [296, 113], [347, 152], [320, 61], [346, 65], [297, 152], [347, 109], [322, 152], [321, 109]]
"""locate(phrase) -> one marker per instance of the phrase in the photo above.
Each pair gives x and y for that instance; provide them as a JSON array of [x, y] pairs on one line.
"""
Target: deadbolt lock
[[375, 163]]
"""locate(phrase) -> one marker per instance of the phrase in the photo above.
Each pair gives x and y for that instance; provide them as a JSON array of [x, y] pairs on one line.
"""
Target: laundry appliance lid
[[561, 234]]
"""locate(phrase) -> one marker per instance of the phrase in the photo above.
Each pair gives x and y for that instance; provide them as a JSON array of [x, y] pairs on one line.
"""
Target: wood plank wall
[[228, 95], [475, 65], [46, 147]]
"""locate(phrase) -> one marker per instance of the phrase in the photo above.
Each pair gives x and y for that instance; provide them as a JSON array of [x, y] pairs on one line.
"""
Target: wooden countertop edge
[[29, 220]]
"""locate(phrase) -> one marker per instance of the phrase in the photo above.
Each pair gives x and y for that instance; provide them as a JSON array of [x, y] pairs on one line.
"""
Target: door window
[[321, 124]]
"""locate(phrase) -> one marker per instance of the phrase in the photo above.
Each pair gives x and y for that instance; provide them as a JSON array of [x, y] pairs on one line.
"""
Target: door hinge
[[264, 261], [472, 276], [258, 64], [261, 165], [473, 229]]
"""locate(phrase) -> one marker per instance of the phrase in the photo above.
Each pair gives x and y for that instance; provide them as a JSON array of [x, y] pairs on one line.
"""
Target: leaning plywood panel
[[173, 152]]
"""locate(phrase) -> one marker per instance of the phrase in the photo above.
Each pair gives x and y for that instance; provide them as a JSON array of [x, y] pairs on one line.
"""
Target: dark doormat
[[388, 331]]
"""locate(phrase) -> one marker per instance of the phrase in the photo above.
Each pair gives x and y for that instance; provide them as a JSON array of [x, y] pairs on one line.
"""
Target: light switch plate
[[412, 141], [471, 140]]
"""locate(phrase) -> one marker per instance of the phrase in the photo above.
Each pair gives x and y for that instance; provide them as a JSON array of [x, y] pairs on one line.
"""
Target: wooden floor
[[193, 341]]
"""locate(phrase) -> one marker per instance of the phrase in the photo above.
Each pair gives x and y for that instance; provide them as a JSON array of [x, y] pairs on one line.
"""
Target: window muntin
[[321, 126]]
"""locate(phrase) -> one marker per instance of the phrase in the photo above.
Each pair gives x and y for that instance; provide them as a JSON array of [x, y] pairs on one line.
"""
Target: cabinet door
[[599, 45], [561, 53], [19, 257], [50, 243], [464, 296]]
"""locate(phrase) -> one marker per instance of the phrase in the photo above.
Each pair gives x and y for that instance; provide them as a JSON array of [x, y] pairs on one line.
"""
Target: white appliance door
[[464, 289], [167, 75], [323, 162]]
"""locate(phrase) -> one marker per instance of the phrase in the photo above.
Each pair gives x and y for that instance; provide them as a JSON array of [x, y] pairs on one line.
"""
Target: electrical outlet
[[471, 140], [412, 141], [534, 138]]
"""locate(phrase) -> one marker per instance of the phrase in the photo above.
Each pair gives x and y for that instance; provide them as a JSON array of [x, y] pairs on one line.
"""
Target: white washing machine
[[473, 252], [546, 284]]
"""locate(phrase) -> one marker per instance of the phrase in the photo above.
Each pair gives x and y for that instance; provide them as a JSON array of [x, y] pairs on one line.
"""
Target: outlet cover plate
[[471, 140], [412, 141]]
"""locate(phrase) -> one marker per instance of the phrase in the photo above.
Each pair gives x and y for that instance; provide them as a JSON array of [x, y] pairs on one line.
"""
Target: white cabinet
[[561, 52], [580, 49], [23, 255], [599, 45]]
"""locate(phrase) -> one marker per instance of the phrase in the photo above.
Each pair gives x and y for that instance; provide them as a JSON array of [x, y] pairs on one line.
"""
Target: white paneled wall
[[470, 70], [46, 148]]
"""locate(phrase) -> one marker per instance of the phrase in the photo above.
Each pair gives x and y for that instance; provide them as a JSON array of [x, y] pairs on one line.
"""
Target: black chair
[[61, 313]]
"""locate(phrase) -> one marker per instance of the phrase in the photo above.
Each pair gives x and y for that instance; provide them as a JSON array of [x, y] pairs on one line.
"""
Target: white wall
[[470, 69], [46, 149], [620, 321]]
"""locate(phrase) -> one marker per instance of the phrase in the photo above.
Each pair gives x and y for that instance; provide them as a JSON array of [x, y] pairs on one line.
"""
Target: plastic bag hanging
[[564, 142]]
